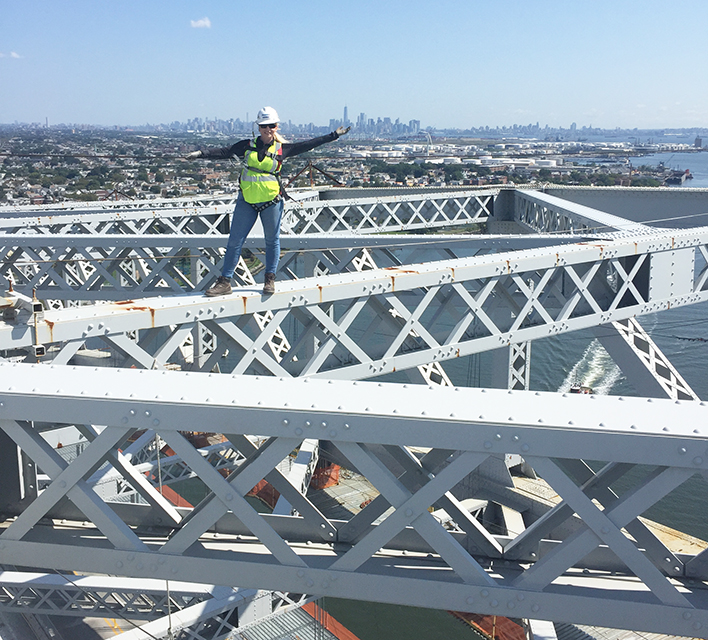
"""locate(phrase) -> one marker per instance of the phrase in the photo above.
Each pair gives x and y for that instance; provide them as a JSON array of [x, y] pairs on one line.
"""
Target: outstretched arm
[[296, 148], [237, 149]]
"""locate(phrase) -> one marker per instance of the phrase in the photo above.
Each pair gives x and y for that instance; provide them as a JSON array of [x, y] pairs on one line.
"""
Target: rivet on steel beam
[[298, 431]]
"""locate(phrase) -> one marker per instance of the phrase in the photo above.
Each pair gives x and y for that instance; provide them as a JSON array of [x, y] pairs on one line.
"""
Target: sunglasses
[[268, 126]]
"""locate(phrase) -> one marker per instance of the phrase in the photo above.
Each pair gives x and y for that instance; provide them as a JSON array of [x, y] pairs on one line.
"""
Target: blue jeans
[[242, 221]]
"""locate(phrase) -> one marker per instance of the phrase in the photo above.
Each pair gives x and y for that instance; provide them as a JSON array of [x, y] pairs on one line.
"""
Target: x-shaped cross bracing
[[418, 314], [394, 541]]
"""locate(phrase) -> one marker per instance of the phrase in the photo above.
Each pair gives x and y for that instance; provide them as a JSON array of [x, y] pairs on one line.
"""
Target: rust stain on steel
[[129, 305], [50, 325], [399, 270], [319, 287], [245, 303]]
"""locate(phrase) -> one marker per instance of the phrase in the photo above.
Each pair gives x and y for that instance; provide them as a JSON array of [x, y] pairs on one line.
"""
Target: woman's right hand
[[193, 155]]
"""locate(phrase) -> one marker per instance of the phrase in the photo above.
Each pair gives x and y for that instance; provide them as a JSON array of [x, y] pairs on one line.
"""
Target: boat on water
[[581, 389]]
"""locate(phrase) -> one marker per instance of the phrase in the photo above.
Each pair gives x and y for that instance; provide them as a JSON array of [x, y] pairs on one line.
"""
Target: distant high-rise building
[[345, 122]]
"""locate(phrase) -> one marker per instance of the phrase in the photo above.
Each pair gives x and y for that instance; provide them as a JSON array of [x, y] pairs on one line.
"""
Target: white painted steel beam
[[646, 367], [89, 596], [114, 267], [544, 213], [301, 217], [420, 313], [544, 579]]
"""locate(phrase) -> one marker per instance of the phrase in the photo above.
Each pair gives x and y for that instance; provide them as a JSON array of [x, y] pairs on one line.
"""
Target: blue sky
[[606, 63]]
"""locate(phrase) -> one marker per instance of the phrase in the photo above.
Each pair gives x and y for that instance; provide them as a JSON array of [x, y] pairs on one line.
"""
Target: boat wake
[[595, 369]]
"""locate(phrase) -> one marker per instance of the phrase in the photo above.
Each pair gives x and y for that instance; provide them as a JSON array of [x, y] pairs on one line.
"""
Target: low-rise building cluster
[[44, 165]]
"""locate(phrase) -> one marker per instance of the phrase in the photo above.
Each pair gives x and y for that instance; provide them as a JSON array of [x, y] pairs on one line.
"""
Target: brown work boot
[[221, 287], [269, 284]]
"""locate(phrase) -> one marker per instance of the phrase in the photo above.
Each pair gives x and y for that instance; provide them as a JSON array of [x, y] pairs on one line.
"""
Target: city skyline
[[450, 65]]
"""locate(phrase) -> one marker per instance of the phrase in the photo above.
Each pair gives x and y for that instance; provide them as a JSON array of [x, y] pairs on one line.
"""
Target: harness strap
[[262, 206]]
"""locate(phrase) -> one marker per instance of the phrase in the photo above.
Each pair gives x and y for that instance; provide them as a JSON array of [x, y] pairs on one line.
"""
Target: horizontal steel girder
[[544, 213], [97, 596], [419, 313], [118, 267], [463, 568], [301, 217]]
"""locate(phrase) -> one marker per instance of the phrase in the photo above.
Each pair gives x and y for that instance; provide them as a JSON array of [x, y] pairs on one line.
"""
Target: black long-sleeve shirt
[[289, 148]]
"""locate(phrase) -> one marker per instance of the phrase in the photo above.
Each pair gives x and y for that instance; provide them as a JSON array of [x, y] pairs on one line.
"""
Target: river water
[[695, 162]]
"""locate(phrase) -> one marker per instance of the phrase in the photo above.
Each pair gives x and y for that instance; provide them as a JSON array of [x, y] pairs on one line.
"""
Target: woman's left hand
[[340, 131]]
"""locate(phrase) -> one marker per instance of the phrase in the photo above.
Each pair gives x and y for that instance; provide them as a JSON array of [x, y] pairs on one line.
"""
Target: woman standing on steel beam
[[260, 193]]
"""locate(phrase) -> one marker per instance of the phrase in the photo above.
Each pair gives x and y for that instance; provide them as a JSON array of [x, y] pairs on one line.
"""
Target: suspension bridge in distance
[[492, 499]]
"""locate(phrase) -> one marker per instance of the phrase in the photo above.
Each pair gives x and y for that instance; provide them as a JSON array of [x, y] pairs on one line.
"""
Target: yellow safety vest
[[259, 180]]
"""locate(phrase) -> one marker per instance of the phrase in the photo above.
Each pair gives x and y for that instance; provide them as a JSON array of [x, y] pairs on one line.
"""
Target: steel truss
[[589, 558], [87, 596], [543, 213], [165, 608], [420, 314], [590, 545], [301, 217], [119, 267]]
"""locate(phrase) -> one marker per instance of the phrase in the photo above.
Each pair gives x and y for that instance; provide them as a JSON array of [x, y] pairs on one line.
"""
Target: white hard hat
[[267, 115]]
